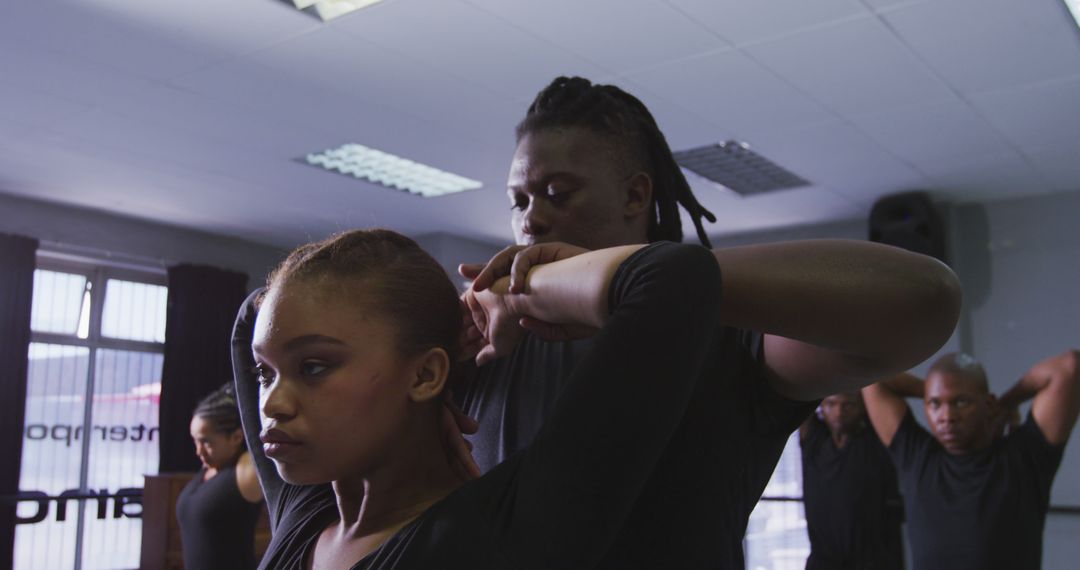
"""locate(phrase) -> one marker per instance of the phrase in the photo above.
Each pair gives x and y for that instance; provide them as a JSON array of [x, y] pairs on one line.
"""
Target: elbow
[[936, 300], [943, 298], [1070, 366]]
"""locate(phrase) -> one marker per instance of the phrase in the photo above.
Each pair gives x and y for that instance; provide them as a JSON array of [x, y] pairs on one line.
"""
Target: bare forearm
[[1053, 371], [570, 291], [905, 386], [1024, 390], [886, 308]]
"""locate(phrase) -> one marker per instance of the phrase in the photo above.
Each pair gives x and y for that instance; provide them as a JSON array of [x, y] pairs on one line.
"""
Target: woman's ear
[[431, 371], [237, 437]]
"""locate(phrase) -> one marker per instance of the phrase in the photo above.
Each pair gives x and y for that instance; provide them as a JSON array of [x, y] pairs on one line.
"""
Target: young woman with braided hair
[[219, 507], [799, 321]]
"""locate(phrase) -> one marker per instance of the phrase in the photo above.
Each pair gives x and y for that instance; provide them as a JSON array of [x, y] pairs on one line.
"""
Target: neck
[[978, 445], [394, 494]]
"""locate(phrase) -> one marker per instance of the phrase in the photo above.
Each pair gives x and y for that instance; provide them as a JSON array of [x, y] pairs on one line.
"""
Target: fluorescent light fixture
[[1074, 7], [327, 10], [389, 170]]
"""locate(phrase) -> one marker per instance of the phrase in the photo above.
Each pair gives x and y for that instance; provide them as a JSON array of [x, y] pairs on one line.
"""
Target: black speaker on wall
[[909, 220]]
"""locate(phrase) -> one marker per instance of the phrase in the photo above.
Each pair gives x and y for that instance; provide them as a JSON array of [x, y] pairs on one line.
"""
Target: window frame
[[97, 272]]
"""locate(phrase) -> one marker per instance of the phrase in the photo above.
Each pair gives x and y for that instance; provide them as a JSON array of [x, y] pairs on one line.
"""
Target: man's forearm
[[905, 385], [572, 291], [1024, 390], [1057, 369], [879, 304]]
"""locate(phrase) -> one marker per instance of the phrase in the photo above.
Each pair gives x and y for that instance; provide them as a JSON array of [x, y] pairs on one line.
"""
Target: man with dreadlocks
[[799, 321]]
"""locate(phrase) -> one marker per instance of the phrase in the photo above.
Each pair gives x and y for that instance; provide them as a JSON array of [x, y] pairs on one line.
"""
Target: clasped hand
[[494, 318]]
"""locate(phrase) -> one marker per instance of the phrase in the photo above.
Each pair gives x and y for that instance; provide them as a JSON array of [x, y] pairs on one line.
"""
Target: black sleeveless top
[[217, 524]]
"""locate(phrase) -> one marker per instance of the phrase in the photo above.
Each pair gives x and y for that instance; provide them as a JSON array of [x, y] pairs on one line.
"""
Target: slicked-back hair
[[575, 102], [219, 409], [392, 276]]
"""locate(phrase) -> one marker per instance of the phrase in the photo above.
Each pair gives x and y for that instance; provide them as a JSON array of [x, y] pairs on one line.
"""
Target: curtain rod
[[99, 256]]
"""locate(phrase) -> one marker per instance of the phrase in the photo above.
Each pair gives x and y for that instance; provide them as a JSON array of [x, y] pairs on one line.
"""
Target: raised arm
[[1054, 383], [837, 314], [594, 454], [885, 403], [247, 396]]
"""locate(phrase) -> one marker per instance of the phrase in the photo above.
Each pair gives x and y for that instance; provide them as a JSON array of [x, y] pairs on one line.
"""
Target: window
[[776, 536], [91, 428]]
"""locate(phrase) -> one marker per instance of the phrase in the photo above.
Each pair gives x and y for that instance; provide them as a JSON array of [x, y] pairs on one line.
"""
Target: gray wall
[[126, 240], [450, 250]]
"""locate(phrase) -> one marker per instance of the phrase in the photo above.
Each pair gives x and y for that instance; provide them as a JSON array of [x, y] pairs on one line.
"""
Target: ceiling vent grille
[[734, 166]]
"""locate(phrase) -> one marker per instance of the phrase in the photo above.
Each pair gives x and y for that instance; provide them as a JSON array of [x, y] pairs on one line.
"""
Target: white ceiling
[[192, 112]]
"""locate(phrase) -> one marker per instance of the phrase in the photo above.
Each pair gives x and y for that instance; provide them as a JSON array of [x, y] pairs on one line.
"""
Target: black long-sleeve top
[[563, 501]]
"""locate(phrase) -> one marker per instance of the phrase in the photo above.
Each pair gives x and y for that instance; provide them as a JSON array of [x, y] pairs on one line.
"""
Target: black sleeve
[[247, 396], [771, 413], [911, 444], [577, 482], [1043, 458]]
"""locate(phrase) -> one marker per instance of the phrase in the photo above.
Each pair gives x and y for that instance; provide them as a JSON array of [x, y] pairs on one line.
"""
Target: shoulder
[[911, 442], [247, 479], [1030, 437]]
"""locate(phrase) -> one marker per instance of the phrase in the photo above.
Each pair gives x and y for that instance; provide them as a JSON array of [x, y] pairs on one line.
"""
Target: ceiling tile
[[838, 157], [853, 67], [473, 45], [82, 31], [976, 45], [732, 90], [370, 75], [936, 132], [34, 108], [619, 35], [987, 178], [742, 22], [1036, 115], [1060, 167]]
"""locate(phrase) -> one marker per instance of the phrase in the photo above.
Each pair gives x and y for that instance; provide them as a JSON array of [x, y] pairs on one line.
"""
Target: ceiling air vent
[[734, 166]]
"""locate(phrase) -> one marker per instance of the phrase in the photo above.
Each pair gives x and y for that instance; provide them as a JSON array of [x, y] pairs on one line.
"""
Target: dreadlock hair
[[219, 409], [389, 274], [608, 110]]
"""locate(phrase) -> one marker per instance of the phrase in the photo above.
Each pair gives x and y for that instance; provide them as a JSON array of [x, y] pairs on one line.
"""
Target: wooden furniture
[[161, 549]]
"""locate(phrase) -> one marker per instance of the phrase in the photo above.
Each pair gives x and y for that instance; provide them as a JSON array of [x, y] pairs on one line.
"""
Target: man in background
[[973, 499], [853, 509]]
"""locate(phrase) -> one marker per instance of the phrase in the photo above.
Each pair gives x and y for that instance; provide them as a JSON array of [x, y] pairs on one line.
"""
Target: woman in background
[[219, 507]]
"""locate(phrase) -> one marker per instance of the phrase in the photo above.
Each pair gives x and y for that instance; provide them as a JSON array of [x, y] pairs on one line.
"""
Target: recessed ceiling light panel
[[327, 10], [1074, 7], [734, 166], [390, 170]]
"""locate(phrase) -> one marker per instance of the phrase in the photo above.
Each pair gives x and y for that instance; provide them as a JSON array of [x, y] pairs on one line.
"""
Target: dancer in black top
[[219, 508], [974, 498], [354, 341], [853, 510], [801, 320]]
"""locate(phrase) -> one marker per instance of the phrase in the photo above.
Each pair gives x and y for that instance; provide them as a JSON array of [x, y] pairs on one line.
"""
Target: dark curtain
[[202, 306], [17, 262]]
